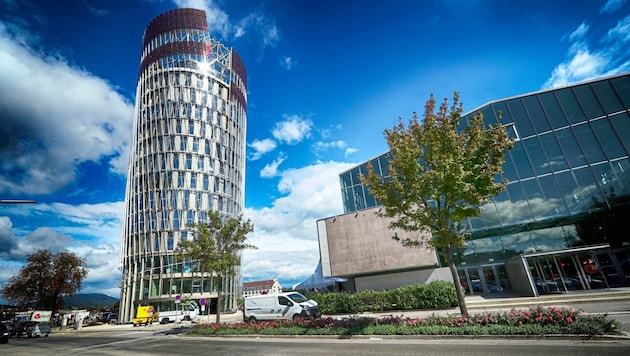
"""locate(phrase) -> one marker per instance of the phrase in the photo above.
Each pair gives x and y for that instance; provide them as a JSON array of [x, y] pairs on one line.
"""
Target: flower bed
[[534, 321]]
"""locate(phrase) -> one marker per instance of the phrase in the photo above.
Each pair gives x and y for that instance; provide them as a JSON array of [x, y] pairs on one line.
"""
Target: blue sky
[[325, 79]]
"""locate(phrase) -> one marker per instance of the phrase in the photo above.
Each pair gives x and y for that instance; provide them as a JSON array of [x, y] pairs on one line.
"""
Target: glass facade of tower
[[567, 197], [187, 158]]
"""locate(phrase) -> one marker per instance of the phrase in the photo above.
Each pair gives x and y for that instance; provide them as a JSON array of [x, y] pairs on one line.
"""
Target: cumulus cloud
[[91, 231], [49, 129], [271, 170], [292, 130], [286, 232], [587, 59], [260, 147]]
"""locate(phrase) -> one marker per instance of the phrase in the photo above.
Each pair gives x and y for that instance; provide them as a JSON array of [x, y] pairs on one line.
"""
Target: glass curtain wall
[[568, 173], [187, 158]]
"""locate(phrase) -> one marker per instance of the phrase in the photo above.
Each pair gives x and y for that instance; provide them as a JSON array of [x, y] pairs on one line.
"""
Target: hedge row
[[433, 295]]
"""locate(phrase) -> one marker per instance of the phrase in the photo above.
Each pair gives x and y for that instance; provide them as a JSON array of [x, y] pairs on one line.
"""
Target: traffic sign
[[203, 301]]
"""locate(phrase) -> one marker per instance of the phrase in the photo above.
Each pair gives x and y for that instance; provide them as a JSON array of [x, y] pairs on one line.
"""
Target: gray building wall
[[359, 245]]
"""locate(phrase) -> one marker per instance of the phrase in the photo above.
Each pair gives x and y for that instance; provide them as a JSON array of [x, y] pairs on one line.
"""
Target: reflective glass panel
[[553, 109], [536, 114], [359, 199], [383, 165], [570, 105], [516, 244], [621, 123], [521, 120], [535, 153], [488, 117], [607, 96], [345, 180], [571, 191], [588, 101], [589, 143], [501, 109], [516, 210], [370, 201], [609, 140], [554, 202], [557, 160], [534, 196], [607, 180], [570, 147], [622, 87], [621, 172], [509, 172], [521, 161], [589, 192], [348, 201], [354, 173], [550, 239], [487, 219]]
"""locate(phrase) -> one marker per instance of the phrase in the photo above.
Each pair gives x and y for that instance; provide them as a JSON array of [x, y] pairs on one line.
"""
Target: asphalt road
[[150, 343], [170, 340]]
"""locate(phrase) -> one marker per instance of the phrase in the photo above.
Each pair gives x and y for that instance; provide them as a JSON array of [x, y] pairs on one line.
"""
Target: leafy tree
[[438, 177], [46, 278], [217, 245]]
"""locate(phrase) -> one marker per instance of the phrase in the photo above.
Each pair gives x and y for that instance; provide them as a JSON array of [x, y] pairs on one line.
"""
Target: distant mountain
[[88, 301]]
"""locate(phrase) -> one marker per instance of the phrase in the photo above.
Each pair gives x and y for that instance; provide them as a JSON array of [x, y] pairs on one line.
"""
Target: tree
[[217, 246], [438, 177], [46, 278]]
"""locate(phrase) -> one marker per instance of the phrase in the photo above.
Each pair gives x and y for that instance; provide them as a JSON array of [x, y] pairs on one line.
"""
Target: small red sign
[[590, 268]]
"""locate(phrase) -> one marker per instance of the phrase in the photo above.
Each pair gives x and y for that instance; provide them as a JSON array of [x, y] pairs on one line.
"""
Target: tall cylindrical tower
[[187, 158]]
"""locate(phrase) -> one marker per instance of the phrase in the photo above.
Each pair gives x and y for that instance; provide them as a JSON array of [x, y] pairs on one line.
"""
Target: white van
[[290, 306]]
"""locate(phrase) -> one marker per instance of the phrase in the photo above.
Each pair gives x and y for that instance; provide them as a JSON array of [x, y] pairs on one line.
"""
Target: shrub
[[534, 321], [433, 295]]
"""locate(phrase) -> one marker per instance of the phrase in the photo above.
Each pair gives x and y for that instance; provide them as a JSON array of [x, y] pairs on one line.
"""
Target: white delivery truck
[[185, 311], [289, 306]]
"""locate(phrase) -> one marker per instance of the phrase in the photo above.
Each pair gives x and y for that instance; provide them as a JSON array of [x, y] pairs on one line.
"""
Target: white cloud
[[586, 61], [611, 6], [261, 147], [91, 231], [349, 151], [288, 63], [218, 20], [339, 145], [286, 232], [48, 129], [619, 34], [292, 130], [219, 23], [580, 32], [271, 169]]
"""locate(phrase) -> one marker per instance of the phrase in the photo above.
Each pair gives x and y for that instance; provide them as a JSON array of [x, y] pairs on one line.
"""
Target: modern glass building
[[187, 158], [559, 225]]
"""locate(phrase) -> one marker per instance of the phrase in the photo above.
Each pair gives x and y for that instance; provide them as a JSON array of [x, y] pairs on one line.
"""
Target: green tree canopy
[[439, 175], [217, 246], [45, 278]]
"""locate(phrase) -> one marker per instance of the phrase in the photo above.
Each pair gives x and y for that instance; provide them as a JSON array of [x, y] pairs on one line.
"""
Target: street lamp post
[[16, 201]]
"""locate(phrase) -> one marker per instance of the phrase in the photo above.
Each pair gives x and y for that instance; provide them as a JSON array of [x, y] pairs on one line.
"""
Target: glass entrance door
[[488, 279]]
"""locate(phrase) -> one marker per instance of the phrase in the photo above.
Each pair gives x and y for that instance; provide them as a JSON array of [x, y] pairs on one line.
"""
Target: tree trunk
[[219, 287], [458, 286]]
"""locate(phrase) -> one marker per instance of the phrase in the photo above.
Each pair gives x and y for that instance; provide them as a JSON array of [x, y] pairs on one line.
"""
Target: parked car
[[32, 328], [4, 333], [112, 319]]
